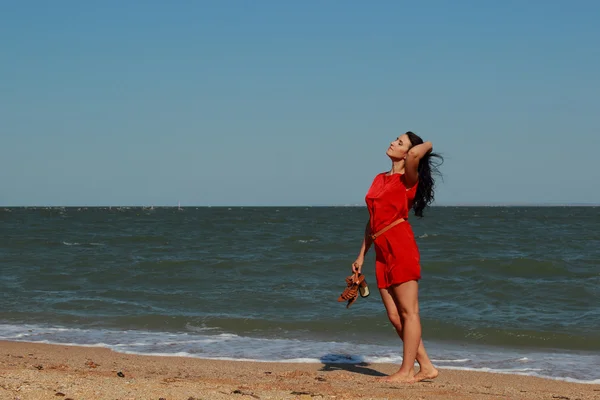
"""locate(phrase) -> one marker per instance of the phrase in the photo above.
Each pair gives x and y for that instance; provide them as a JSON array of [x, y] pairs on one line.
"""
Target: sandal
[[363, 289], [356, 283]]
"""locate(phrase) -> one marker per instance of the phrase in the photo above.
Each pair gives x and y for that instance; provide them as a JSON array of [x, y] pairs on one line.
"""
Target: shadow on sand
[[350, 363]]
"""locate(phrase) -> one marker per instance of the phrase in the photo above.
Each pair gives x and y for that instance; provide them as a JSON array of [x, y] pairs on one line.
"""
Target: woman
[[409, 184]]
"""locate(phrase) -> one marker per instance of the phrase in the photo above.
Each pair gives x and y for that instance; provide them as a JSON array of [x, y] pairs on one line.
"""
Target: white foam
[[199, 328], [200, 343]]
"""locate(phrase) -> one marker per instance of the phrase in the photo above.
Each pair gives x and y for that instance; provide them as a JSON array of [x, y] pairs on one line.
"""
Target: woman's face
[[399, 148]]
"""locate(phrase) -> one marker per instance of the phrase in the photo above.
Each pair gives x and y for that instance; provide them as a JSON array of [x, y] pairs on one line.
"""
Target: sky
[[262, 103]]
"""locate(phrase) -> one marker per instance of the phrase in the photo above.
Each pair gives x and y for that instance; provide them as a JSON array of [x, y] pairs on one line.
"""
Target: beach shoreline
[[42, 371]]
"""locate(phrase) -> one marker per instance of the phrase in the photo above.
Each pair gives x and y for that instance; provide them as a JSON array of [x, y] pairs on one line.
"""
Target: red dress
[[397, 258]]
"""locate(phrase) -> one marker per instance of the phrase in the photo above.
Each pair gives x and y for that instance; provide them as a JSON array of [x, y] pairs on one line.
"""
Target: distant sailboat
[[179, 205]]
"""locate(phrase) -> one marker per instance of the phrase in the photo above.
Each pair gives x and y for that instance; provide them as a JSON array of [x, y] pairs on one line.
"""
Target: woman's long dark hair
[[428, 167]]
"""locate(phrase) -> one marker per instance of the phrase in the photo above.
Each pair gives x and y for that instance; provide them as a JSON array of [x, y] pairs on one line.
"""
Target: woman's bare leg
[[406, 299], [426, 370]]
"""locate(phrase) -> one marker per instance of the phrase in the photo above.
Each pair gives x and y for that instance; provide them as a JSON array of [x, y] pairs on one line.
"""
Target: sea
[[504, 289]]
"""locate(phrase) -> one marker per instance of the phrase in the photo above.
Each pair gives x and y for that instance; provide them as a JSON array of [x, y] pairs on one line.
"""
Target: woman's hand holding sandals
[[357, 265]]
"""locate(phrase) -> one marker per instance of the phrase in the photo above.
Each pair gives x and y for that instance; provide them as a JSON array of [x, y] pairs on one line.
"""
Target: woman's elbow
[[419, 151]]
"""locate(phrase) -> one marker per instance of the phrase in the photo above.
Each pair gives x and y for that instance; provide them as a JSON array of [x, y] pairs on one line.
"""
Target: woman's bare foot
[[399, 377], [426, 373]]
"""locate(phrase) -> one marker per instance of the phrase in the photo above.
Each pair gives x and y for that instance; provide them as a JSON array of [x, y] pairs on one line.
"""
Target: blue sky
[[295, 103]]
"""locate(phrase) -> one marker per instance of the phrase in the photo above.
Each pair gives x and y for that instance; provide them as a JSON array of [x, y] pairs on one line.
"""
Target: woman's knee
[[395, 320], [409, 312]]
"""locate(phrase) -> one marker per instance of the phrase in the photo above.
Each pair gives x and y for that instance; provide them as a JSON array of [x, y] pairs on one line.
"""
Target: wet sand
[[42, 371]]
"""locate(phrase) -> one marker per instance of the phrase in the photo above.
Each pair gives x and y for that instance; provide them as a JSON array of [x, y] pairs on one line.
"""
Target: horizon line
[[578, 204]]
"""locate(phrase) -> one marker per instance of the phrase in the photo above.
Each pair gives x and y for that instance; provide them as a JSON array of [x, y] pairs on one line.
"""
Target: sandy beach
[[41, 371]]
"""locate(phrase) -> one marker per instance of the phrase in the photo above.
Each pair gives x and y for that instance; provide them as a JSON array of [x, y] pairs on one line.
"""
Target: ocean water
[[504, 289]]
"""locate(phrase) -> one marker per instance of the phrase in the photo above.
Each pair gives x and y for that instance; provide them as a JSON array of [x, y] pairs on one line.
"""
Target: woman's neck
[[397, 167]]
